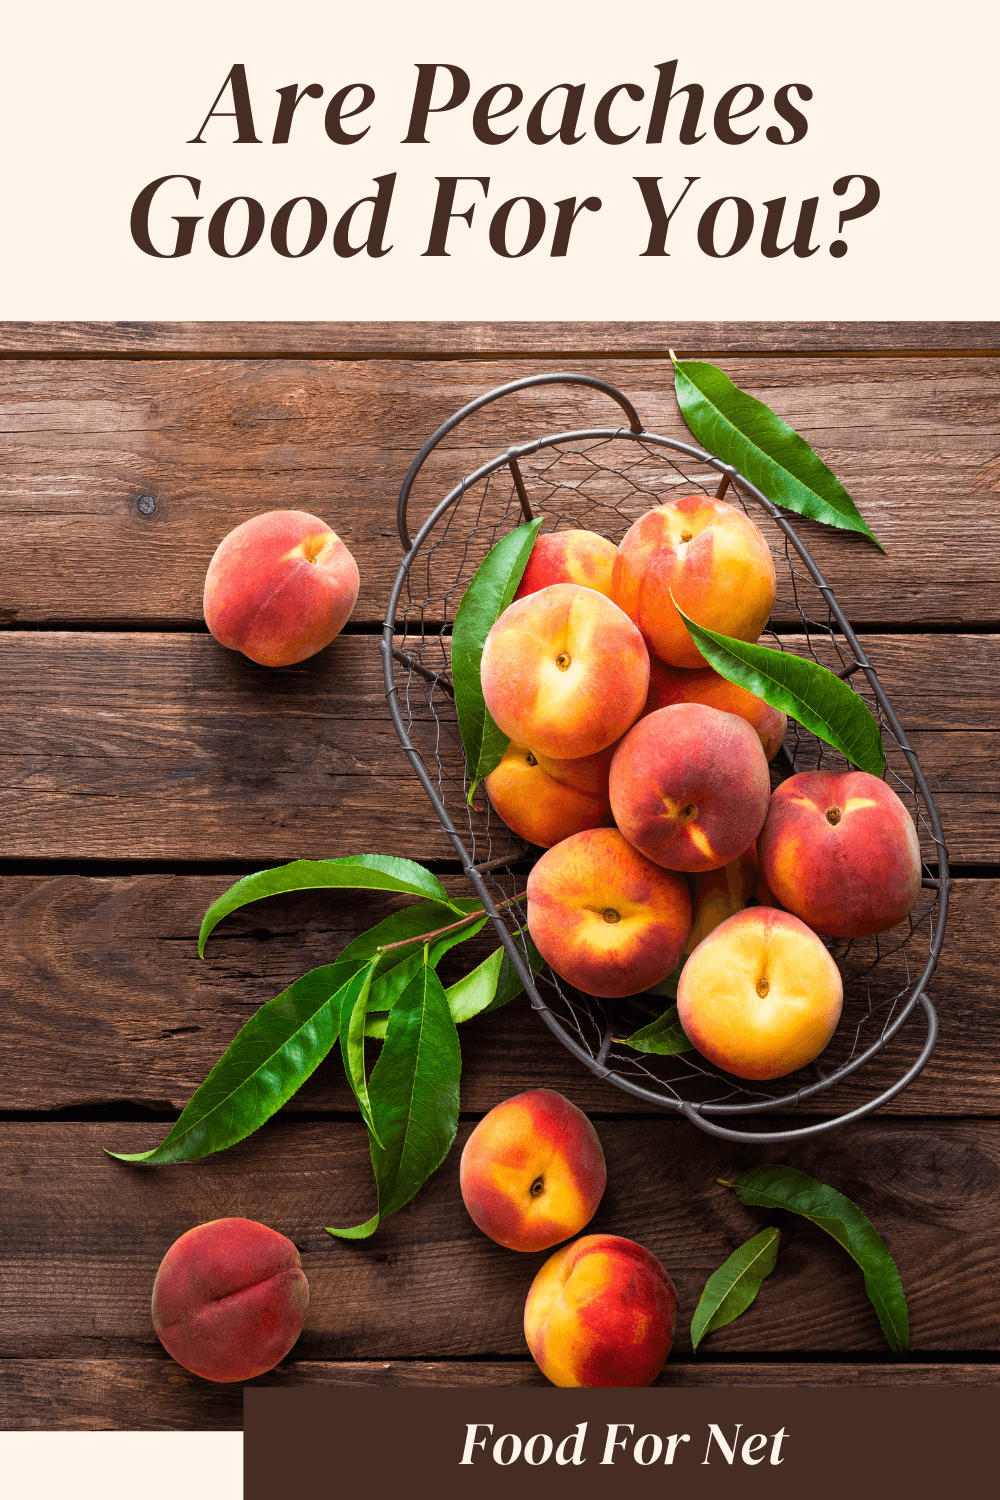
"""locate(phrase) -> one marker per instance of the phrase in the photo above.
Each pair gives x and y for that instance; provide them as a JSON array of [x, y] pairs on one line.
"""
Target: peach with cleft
[[840, 850], [604, 917], [601, 1312], [544, 800], [669, 685], [720, 894], [532, 1172], [229, 1299], [689, 787], [760, 996], [569, 557], [564, 671], [714, 561], [280, 587]]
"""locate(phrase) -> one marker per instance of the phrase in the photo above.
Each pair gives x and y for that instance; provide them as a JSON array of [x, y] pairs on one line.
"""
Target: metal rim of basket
[[697, 1113]]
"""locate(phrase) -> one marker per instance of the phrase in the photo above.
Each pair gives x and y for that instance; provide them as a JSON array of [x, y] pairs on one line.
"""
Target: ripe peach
[[669, 685], [601, 1312], [280, 587], [564, 671], [545, 800], [532, 1171], [229, 1299], [719, 894], [689, 786], [569, 557], [841, 852], [605, 918], [760, 996], [714, 561]]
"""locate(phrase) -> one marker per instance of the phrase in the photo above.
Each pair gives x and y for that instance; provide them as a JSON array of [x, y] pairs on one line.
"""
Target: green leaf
[[378, 872], [820, 701], [786, 1187], [260, 1070], [460, 995], [731, 1289], [663, 1036], [414, 1095], [742, 431], [353, 1014], [483, 602], [476, 990], [668, 986]]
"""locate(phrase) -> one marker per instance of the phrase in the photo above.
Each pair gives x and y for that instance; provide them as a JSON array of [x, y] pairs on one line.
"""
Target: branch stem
[[427, 937]]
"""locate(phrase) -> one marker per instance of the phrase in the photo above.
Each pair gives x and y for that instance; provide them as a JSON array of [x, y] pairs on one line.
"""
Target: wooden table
[[145, 768]]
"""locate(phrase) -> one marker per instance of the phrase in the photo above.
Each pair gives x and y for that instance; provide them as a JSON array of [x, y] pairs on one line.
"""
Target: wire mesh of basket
[[603, 479]]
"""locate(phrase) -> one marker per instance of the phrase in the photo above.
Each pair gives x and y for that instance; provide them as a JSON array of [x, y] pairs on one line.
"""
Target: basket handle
[[502, 390]]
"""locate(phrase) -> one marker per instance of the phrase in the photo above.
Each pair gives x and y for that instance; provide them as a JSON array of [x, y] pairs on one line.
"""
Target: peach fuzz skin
[[713, 560], [841, 852], [601, 1312], [689, 787], [719, 894], [532, 1171], [760, 996], [564, 671], [545, 801], [604, 917], [669, 685], [569, 557], [229, 1299], [280, 587]]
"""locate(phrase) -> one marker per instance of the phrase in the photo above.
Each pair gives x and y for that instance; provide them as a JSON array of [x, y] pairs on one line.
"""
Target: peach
[[564, 671], [604, 917], [839, 850], [569, 557], [719, 894], [760, 996], [689, 786], [280, 587], [669, 685], [601, 1312], [229, 1299], [532, 1171], [545, 800], [713, 560]]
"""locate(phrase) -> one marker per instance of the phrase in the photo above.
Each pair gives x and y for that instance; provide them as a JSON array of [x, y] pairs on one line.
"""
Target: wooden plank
[[456, 340], [101, 987], [154, 746], [156, 1395], [215, 442], [82, 1236]]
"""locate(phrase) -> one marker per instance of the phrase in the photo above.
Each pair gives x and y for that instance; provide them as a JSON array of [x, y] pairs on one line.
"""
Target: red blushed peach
[[532, 1171], [229, 1299], [569, 557], [841, 852], [719, 894], [689, 787], [544, 800], [669, 685], [601, 1312], [280, 587], [564, 671], [604, 917], [760, 996], [713, 560]]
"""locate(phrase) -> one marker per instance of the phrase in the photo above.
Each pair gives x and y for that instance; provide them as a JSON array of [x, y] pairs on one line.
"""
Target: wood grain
[[915, 441], [457, 340], [153, 746], [156, 1395], [101, 988], [82, 1236]]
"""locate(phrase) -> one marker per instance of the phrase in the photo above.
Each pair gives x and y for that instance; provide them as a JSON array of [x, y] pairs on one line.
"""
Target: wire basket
[[603, 479]]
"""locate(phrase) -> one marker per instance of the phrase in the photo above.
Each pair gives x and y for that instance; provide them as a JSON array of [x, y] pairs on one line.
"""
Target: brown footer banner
[[491, 1442]]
